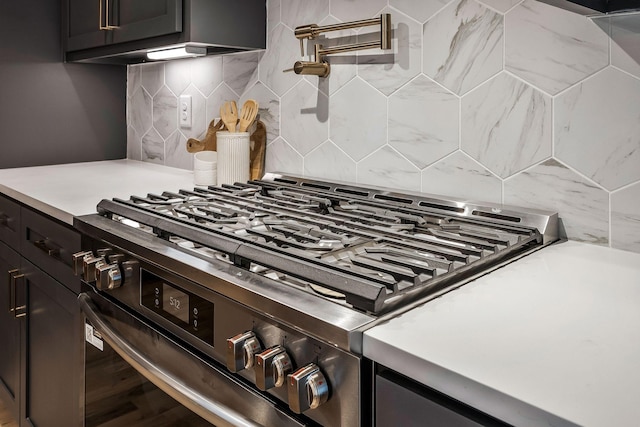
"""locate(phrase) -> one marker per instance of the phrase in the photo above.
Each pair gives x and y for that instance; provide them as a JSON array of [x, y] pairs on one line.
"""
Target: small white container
[[205, 168], [233, 157]]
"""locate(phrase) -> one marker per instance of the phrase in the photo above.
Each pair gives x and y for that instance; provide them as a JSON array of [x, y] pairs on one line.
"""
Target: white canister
[[205, 166], [233, 157]]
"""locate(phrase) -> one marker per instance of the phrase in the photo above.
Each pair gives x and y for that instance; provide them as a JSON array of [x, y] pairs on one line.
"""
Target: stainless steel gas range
[[270, 284]]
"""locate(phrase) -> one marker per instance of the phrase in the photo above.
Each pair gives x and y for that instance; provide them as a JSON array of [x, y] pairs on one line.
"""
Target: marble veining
[[597, 128], [240, 71], [423, 121], [153, 147], [139, 111], [583, 208], [165, 112], [387, 168], [506, 125], [460, 176], [358, 127], [343, 168], [175, 154], [304, 117], [464, 45], [566, 47], [389, 70], [283, 51], [625, 218]]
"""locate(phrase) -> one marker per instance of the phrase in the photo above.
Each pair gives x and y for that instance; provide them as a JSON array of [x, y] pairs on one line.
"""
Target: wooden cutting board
[[258, 148]]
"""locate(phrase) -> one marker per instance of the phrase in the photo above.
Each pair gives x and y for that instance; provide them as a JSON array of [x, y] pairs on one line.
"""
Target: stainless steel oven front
[[137, 373]]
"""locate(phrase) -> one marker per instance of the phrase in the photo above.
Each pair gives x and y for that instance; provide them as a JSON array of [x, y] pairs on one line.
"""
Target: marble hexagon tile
[[177, 74], [501, 6], [625, 218], [294, 13], [342, 167], [463, 45], [389, 70], [387, 168], [506, 125], [355, 10], [134, 144], [268, 108], [215, 100], [597, 128], [582, 207], [358, 119], [304, 117], [176, 154], [165, 112], [206, 73], [423, 121], [134, 78], [152, 77], [153, 147], [140, 110], [625, 50], [240, 71], [283, 50], [460, 176], [552, 48], [273, 14], [420, 10], [281, 157]]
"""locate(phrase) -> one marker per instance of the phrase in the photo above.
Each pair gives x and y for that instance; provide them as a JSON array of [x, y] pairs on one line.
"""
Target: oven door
[[136, 375]]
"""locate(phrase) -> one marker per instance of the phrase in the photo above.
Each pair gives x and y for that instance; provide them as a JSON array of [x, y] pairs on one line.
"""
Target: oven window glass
[[117, 395]]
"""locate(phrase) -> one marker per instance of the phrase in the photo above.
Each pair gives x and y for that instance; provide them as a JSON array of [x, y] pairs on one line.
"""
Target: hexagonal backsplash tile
[[506, 125], [597, 128], [463, 45], [389, 124], [423, 121], [552, 48]]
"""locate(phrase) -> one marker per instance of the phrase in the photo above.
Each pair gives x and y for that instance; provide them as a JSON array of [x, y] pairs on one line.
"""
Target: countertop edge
[[38, 205]]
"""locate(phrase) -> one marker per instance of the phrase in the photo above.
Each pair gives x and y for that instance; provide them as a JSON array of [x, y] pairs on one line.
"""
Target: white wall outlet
[[184, 111]]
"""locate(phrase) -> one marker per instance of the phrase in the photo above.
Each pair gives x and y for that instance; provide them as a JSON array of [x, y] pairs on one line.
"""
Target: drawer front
[[9, 222], [49, 245]]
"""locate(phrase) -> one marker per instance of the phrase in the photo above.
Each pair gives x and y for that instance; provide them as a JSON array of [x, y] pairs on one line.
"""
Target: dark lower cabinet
[[41, 326]]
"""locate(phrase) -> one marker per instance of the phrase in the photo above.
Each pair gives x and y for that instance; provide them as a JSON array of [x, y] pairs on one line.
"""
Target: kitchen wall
[[52, 112], [505, 101]]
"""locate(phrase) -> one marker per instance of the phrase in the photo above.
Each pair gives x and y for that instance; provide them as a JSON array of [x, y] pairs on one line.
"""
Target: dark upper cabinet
[[121, 31]]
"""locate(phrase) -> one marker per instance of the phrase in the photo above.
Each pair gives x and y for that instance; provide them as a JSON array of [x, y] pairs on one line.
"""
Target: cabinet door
[[10, 331], [83, 24], [52, 375], [138, 20]]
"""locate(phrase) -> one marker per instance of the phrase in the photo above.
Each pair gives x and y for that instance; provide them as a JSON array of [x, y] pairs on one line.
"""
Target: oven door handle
[[185, 395]]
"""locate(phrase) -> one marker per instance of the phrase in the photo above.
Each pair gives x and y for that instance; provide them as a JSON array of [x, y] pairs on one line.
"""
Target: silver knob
[[89, 265], [272, 367], [241, 351], [77, 261], [108, 276], [307, 388]]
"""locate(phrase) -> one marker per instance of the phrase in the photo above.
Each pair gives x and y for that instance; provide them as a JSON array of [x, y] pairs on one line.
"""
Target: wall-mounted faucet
[[319, 66]]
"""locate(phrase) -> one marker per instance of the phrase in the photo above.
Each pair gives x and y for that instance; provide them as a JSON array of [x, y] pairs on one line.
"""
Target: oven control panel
[[307, 387]]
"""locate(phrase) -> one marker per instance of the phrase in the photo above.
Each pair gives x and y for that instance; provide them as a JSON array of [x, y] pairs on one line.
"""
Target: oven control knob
[[89, 265], [272, 367], [241, 351], [308, 388], [78, 261], [108, 276]]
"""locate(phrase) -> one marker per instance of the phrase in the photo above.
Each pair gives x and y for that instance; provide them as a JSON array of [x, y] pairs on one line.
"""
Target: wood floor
[[5, 418]]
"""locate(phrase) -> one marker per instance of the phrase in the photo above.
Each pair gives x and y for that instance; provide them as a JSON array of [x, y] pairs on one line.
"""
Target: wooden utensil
[[229, 115], [248, 114], [209, 141]]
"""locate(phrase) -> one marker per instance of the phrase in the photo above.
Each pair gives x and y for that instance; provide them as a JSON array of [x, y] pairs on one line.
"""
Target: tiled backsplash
[[495, 100]]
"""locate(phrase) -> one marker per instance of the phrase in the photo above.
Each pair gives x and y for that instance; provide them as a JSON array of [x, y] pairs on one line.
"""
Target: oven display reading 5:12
[[175, 303]]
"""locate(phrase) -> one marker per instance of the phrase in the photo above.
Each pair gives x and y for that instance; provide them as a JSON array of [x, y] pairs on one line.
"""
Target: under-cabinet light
[[177, 52]]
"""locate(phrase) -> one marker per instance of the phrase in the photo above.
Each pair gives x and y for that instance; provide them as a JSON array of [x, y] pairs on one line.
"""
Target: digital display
[[175, 303]]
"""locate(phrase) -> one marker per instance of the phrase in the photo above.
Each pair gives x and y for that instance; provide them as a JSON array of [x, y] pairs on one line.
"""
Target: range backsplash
[[506, 101]]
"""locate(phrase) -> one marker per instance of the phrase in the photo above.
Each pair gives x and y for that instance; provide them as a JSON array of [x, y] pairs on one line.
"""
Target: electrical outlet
[[184, 111]]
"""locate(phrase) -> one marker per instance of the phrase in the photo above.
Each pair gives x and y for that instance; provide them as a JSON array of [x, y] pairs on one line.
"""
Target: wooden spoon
[[248, 114], [229, 115]]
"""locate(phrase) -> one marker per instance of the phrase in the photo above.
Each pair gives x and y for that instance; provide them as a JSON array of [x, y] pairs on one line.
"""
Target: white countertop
[[551, 339], [65, 191]]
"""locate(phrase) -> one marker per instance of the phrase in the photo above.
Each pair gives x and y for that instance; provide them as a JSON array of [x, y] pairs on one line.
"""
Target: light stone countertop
[[552, 339], [68, 190]]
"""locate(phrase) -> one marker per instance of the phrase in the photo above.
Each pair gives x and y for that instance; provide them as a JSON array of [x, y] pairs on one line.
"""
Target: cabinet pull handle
[[13, 305], [42, 245], [105, 12]]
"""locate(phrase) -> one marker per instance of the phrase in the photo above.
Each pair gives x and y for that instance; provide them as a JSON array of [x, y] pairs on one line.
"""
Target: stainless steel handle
[[13, 304], [185, 395]]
